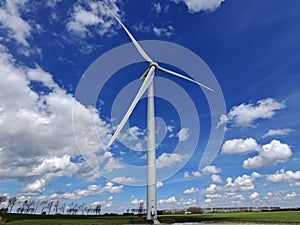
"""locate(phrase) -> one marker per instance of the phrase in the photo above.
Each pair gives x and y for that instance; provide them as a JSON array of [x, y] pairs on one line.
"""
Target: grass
[[267, 217], [288, 217]]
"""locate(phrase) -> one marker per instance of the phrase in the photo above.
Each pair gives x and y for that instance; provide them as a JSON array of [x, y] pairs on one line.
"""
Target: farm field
[[283, 217]]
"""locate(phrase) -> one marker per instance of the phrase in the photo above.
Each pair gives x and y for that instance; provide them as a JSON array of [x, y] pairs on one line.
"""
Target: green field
[[288, 217]]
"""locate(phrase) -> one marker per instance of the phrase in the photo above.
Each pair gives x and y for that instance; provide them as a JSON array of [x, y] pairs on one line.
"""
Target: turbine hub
[[154, 64]]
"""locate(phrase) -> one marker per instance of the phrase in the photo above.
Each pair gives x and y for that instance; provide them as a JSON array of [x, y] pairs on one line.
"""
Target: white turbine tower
[[147, 79]]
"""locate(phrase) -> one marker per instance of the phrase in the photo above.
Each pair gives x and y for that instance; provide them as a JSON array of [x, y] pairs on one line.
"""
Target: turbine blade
[[141, 91], [183, 77], [136, 44]]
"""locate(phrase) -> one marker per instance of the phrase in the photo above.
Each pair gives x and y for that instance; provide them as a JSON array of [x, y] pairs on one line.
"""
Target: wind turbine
[[147, 79]]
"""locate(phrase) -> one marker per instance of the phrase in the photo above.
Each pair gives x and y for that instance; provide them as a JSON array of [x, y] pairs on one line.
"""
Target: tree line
[[31, 206]]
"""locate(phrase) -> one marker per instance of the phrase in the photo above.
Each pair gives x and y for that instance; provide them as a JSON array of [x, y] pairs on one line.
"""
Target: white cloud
[[136, 201], [283, 176], [291, 195], [170, 200], [241, 183], [195, 6], [186, 174], [254, 195], [52, 3], [240, 146], [216, 179], [192, 190], [162, 31], [91, 190], [34, 188], [11, 19], [268, 155], [93, 15], [211, 170], [159, 184], [277, 132], [134, 138], [245, 114], [167, 31], [167, 160], [206, 171], [124, 180], [183, 134], [157, 7], [36, 133], [113, 164]]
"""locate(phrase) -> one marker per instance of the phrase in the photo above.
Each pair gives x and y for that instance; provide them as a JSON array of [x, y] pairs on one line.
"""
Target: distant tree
[[49, 207], [195, 210], [62, 208], [73, 208], [98, 209], [56, 206], [141, 208], [3, 198], [27, 206], [11, 202], [43, 205], [83, 208], [36, 206]]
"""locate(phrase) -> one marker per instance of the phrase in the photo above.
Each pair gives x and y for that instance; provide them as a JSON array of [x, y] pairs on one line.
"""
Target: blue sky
[[53, 131]]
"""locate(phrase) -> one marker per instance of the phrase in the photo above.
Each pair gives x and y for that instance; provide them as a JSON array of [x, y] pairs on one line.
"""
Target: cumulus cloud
[[167, 160], [170, 200], [124, 180], [195, 6], [211, 169], [277, 132], [268, 155], [36, 132], [245, 114], [36, 187], [91, 190], [241, 183], [134, 138], [216, 179], [192, 190], [183, 134], [167, 31], [254, 195], [10, 18], [93, 15], [283, 176], [159, 184], [240, 146]]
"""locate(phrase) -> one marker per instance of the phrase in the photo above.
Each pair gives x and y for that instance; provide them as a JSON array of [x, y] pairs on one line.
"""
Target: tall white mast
[[151, 154]]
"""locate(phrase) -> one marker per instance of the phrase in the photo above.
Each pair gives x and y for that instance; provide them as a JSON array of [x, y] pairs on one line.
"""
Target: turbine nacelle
[[152, 64]]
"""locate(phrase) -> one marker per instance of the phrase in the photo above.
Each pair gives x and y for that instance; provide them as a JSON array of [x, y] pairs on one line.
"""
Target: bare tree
[[3, 198], [141, 208], [27, 206], [98, 209], [43, 205], [11, 202], [36, 206], [49, 207], [56, 206], [72, 208], [83, 208], [62, 208]]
